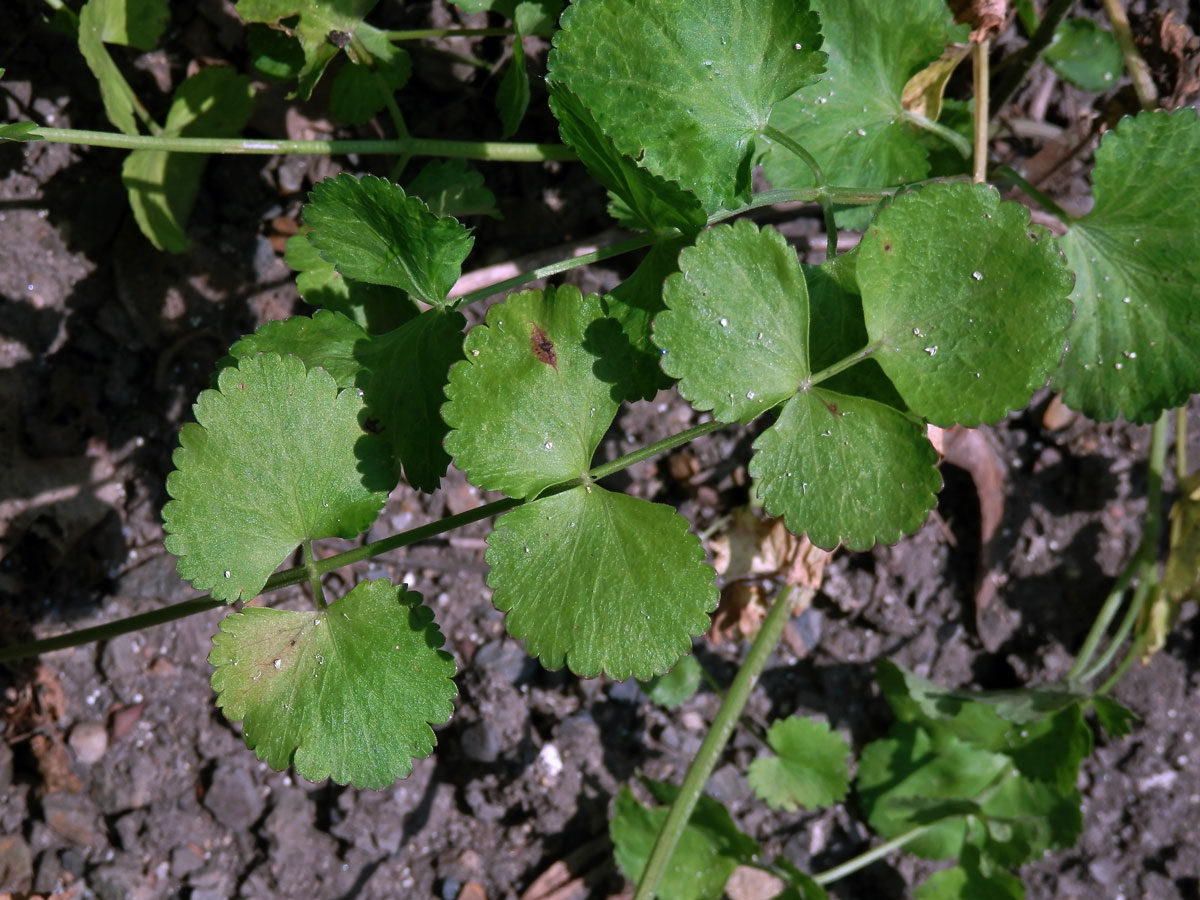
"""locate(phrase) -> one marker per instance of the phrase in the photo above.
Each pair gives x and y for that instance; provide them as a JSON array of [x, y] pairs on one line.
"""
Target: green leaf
[[1086, 55], [641, 199], [800, 885], [403, 386], [1052, 749], [968, 881], [853, 120], [276, 456], [1135, 341], [965, 301], [709, 849], [635, 303], [672, 689], [600, 582], [361, 90], [451, 189], [907, 780], [373, 232], [529, 16], [1115, 719], [375, 307], [273, 53], [527, 407], [131, 23], [327, 341], [685, 91], [1025, 818], [811, 768], [20, 131], [736, 329], [846, 469], [512, 97], [215, 102], [120, 103], [347, 692], [314, 24]]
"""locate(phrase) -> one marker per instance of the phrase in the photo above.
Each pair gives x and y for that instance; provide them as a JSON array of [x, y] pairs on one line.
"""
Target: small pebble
[[89, 742]]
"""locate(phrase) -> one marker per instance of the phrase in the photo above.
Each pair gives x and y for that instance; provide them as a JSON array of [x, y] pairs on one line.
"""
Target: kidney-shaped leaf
[[809, 770], [1135, 342], [965, 300], [685, 86], [276, 456], [601, 582], [347, 692]]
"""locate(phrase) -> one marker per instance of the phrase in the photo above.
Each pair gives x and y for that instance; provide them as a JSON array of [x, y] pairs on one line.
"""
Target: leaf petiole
[[840, 366], [794, 147]]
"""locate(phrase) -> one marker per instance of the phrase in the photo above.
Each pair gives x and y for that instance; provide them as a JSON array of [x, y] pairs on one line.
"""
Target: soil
[[120, 778]]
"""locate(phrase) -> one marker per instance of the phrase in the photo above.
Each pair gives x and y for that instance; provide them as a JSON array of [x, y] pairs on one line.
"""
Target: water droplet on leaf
[[978, 276]]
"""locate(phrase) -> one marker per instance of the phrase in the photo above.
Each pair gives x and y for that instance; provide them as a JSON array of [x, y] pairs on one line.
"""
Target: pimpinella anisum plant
[[951, 310]]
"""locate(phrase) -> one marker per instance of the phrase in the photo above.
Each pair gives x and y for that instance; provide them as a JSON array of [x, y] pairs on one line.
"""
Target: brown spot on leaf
[[543, 347], [887, 248], [832, 407]]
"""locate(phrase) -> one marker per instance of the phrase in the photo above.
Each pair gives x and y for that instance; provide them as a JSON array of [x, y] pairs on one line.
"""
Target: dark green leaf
[[1115, 719], [379, 69], [969, 881], [273, 54], [452, 189], [1086, 55], [512, 97], [373, 232], [685, 91], [120, 103], [800, 885], [346, 693], [131, 23]]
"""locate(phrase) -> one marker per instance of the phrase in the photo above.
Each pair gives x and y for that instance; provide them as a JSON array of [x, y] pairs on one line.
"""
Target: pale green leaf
[[736, 329], [853, 120], [530, 403], [375, 307], [131, 23], [600, 582], [120, 103], [1135, 341], [810, 767], [640, 199], [276, 456], [373, 232], [347, 692], [686, 87], [676, 686], [846, 469], [314, 24], [709, 848], [512, 97], [1086, 55], [965, 302], [450, 188], [215, 102]]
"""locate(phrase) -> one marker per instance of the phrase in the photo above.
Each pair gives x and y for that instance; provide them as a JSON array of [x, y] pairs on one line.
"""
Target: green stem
[[314, 578], [714, 742], [840, 366], [1181, 434], [850, 866], [1139, 72], [1017, 66], [644, 453], [485, 150], [788, 143], [979, 68], [949, 135], [1147, 579], [1046, 203], [420, 34]]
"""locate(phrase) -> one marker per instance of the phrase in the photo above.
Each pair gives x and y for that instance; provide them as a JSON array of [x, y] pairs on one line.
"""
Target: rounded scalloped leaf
[[685, 90], [965, 300], [736, 328], [347, 692], [1135, 341], [527, 407], [601, 582], [373, 232], [327, 340], [846, 470], [276, 456], [853, 121], [810, 769]]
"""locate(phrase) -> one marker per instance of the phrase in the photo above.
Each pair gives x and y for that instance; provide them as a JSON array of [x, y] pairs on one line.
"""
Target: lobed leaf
[[965, 301], [1135, 342], [853, 120], [276, 456], [347, 692], [685, 87], [314, 24], [810, 768], [325, 341], [450, 188], [846, 469], [600, 582], [969, 880], [372, 231], [735, 331], [535, 394]]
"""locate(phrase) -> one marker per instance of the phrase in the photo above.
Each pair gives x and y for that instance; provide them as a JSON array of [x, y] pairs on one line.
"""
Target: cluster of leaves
[[987, 779]]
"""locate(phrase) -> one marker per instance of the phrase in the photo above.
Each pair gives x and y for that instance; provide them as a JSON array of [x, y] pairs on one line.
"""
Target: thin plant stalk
[[1139, 72], [795, 148], [1181, 454], [979, 68], [420, 34], [707, 756]]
